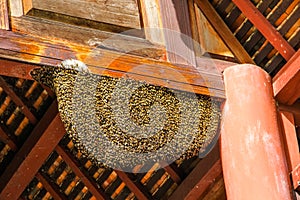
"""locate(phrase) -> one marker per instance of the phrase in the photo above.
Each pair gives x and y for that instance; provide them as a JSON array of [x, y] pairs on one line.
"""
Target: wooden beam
[[287, 123], [32, 154], [89, 182], [25, 110], [286, 83], [111, 63], [224, 32], [4, 20], [9, 141], [135, 187], [197, 174], [177, 31], [51, 187], [266, 28], [211, 176]]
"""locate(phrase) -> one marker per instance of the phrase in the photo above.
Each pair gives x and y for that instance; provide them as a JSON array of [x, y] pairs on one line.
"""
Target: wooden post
[[252, 153]]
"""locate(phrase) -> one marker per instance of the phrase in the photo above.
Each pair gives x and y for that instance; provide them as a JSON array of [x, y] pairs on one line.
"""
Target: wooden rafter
[[32, 154], [265, 27], [8, 140], [4, 20], [17, 101], [92, 186], [286, 83], [196, 177]]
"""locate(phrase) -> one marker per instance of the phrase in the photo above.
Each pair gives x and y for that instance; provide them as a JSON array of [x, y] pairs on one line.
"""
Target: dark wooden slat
[[32, 154], [224, 32], [221, 7], [197, 174], [246, 26], [135, 187], [173, 174], [286, 83], [17, 101], [265, 27], [4, 20], [282, 29], [51, 187], [87, 180], [105, 62], [8, 140], [232, 16]]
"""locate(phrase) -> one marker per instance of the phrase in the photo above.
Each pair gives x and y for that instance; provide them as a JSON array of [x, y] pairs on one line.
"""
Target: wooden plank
[[177, 31], [200, 171], [290, 138], [135, 187], [62, 32], [84, 177], [25, 110], [266, 28], [32, 154], [151, 19], [286, 83], [209, 179], [16, 8], [120, 12], [16, 69], [111, 63], [224, 32], [4, 20], [51, 187]]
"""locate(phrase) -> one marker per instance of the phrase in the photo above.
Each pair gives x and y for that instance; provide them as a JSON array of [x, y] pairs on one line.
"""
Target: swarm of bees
[[106, 116]]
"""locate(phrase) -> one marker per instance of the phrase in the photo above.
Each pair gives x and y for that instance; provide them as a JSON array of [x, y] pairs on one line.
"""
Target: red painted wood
[[252, 153], [266, 28], [286, 83], [31, 162], [291, 143], [214, 172]]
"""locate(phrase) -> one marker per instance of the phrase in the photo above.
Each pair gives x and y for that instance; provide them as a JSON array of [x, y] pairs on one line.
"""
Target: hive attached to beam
[[122, 122]]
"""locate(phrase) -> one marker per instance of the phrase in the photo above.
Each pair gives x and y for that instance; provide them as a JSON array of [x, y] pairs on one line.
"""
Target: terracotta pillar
[[253, 160]]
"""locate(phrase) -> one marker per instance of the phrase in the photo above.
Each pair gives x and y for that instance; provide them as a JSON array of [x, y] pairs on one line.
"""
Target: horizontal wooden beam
[[105, 62], [266, 28], [32, 155], [286, 83]]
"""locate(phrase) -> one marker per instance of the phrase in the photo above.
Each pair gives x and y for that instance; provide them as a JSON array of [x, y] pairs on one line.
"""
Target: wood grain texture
[[4, 21], [118, 12], [105, 62], [177, 31], [224, 32], [16, 8]]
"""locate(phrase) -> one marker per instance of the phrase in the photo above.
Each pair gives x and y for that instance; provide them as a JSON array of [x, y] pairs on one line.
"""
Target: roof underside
[[36, 153]]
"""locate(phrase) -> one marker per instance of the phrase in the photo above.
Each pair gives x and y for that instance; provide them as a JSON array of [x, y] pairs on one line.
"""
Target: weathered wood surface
[[224, 32], [118, 12], [4, 20], [201, 79]]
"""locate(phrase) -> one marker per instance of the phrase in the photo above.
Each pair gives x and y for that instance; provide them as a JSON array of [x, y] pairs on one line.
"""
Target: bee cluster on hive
[[148, 107]]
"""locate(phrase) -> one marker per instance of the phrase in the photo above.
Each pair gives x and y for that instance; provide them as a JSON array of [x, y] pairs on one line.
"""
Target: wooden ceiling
[[37, 159]]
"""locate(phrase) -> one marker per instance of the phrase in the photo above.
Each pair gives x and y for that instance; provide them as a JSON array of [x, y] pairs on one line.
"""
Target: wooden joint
[[295, 176]]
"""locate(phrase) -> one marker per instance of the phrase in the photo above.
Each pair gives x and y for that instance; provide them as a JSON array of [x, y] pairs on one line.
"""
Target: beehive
[[105, 117]]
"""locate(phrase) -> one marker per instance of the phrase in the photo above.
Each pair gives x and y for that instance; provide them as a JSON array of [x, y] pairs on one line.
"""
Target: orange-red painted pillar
[[252, 153]]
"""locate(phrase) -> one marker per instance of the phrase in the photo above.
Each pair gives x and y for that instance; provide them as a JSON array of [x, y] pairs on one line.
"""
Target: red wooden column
[[252, 153]]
